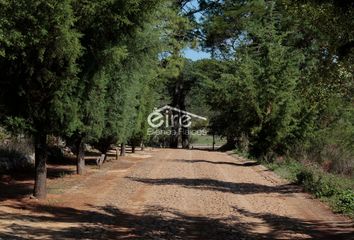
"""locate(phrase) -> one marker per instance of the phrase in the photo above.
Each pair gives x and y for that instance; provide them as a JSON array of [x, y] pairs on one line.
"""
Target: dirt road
[[173, 194]]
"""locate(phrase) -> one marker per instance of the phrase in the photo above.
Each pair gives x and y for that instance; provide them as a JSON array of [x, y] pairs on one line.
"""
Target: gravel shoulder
[[173, 194]]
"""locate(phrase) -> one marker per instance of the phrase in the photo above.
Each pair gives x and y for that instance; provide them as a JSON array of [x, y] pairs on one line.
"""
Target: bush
[[304, 177], [346, 202], [158, 140], [316, 183], [287, 169], [16, 155], [10, 153], [338, 191], [55, 154], [3, 135]]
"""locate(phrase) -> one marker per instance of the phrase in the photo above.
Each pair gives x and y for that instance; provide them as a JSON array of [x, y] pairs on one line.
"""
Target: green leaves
[[257, 92], [76, 66], [40, 50], [286, 81]]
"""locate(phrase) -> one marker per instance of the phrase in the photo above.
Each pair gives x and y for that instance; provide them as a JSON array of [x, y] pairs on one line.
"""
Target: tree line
[[279, 82], [87, 71]]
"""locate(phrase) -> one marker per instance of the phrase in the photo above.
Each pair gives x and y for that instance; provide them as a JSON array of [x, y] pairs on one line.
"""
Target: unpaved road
[[173, 194]]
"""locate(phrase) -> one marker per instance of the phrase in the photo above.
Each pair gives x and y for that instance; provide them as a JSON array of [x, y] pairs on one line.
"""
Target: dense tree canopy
[[281, 68], [76, 69], [38, 64], [280, 81]]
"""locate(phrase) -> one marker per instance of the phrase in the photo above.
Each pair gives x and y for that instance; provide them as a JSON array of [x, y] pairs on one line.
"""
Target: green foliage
[[330, 142], [283, 79], [130, 95], [270, 72], [312, 182], [338, 191], [280, 81], [15, 155], [206, 140], [3, 134], [38, 63], [17, 125], [119, 61], [81, 69], [346, 202], [105, 27], [258, 89], [289, 169]]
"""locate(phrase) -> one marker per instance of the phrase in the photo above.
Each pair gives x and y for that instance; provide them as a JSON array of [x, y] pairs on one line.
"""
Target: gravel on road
[[174, 194]]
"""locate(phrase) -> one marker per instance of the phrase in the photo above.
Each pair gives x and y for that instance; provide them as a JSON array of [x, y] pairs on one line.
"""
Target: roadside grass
[[335, 190], [56, 190], [206, 140], [61, 182]]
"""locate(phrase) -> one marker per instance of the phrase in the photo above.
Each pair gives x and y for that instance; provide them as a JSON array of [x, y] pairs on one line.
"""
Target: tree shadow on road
[[18, 185], [14, 191], [155, 222], [110, 222], [282, 227], [245, 164], [220, 186]]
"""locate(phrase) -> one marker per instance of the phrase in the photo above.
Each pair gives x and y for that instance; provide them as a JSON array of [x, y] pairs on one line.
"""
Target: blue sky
[[192, 53], [196, 55]]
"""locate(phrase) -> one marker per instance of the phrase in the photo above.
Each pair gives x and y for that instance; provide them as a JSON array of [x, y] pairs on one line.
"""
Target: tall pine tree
[[39, 49]]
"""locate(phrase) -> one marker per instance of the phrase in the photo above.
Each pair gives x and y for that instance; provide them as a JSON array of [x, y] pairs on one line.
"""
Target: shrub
[[3, 135], [55, 154], [346, 202], [304, 177], [337, 190], [16, 155]]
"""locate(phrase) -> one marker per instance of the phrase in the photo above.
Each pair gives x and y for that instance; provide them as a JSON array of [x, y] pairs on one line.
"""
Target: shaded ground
[[169, 194]]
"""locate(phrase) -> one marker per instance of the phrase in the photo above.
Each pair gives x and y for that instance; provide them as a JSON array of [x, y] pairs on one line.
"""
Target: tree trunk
[[133, 148], [213, 141], [101, 160], [122, 149], [80, 158], [185, 138], [175, 132], [142, 146], [117, 153], [40, 184]]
